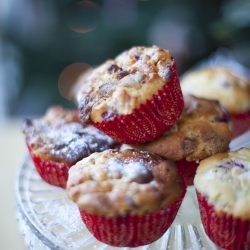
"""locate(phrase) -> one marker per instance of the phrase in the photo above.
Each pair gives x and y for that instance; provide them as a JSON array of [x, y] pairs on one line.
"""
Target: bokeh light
[[69, 79], [84, 16]]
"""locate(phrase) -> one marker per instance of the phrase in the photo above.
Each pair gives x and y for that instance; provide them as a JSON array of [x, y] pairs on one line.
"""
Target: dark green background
[[37, 40]]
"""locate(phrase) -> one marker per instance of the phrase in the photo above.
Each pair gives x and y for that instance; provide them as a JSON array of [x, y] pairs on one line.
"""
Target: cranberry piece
[[238, 163], [107, 116], [225, 117], [226, 165], [136, 57]]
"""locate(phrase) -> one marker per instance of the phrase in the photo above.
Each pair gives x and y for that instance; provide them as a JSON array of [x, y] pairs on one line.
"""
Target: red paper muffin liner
[[187, 169], [224, 230], [241, 124], [151, 119], [54, 173], [131, 230]]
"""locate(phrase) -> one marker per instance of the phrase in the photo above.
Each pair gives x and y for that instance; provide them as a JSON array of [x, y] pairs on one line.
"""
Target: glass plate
[[49, 220]]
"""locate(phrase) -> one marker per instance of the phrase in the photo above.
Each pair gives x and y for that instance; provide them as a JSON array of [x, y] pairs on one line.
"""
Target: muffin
[[135, 97], [222, 183], [220, 83], [202, 131], [127, 198], [58, 140]]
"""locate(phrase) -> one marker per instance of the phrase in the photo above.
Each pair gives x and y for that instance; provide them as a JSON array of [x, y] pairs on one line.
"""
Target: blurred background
[[46, 44], [43, 41]]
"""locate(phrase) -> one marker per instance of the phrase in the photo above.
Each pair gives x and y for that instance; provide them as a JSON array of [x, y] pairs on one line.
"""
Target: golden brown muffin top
[[224, 179], [201, 131], [232, 91], [113, 183], [60, 136], [119, 86]]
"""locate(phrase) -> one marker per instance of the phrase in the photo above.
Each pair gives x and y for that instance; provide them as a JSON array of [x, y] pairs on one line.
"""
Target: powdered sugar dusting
[[130, 172], [245, 179], [68, 215], [113, 182], [63, 138]]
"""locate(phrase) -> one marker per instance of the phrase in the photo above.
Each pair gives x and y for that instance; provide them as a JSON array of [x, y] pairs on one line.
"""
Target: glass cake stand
[[48, 220]]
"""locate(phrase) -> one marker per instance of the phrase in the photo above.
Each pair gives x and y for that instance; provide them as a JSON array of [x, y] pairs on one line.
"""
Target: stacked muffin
[[222, 84], [122, 196], [202, 131], [134, 98], [130, 197], [58, 140]]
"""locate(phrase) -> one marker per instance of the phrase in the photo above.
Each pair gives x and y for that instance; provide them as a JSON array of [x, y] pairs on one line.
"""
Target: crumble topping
[[119, 86], [225, 180]]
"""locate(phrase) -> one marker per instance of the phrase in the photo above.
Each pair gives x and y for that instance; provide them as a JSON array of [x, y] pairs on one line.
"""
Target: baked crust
[[119, 86], [224, 179], [232, 91], [60, 136], [113, 183], [201, 131]]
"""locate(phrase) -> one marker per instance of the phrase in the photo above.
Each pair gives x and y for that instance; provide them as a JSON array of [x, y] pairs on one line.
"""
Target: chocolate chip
[[121, 74], [113, 68]]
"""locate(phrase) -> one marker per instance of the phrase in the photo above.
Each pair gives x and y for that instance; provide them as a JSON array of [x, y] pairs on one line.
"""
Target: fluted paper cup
[[224, 230], [187, 169], [54, 173], [131, 230]]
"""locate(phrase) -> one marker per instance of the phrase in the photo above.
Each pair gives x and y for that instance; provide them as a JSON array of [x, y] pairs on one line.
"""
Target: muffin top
[[233, 92], [113, 183], [59, 136], [119, 86], [224, 179], [201, 131]]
